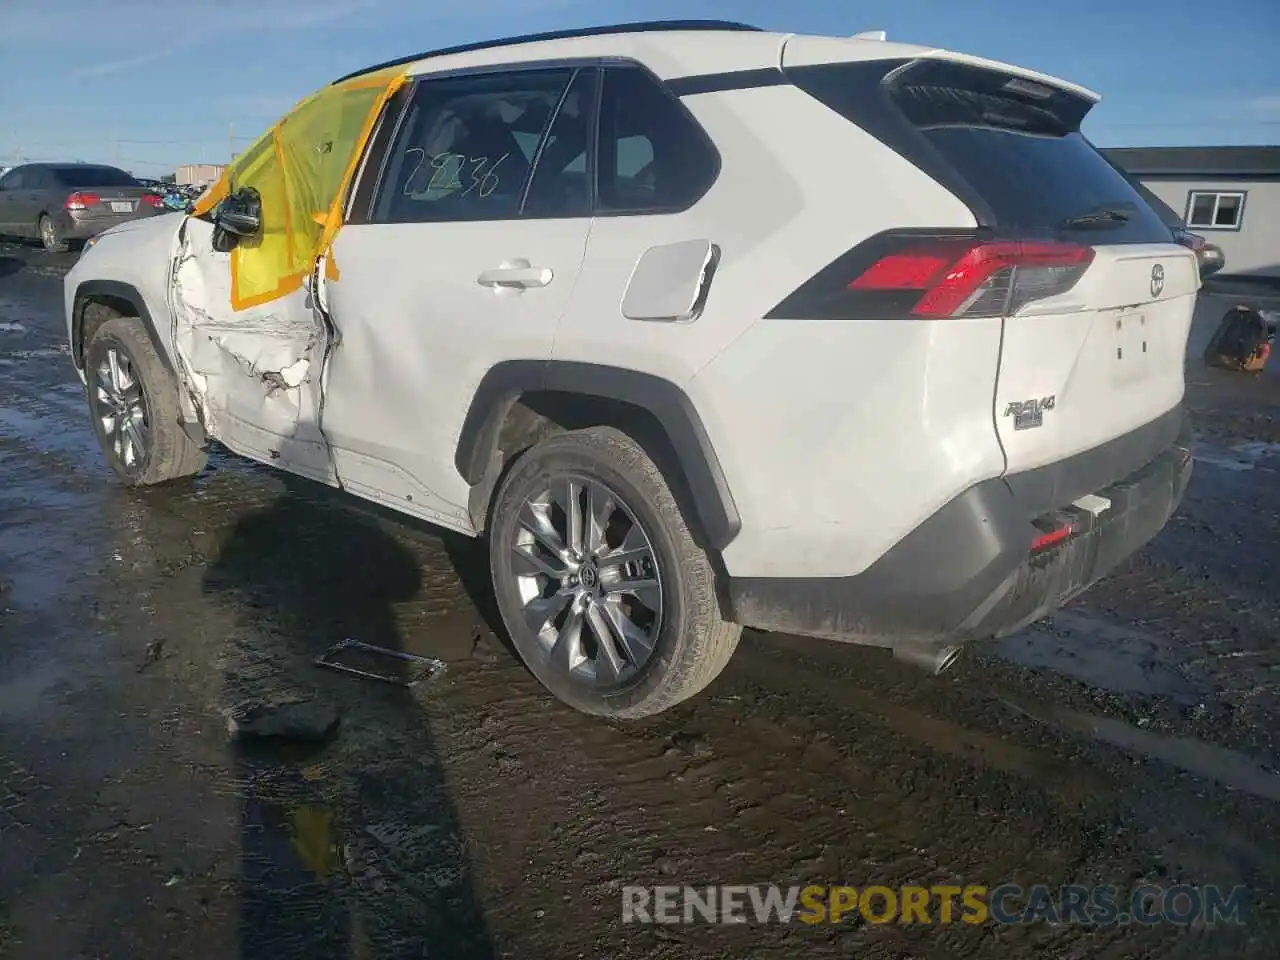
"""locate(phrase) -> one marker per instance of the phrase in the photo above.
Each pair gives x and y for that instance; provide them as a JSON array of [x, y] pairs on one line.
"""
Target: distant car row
[[64, 203]]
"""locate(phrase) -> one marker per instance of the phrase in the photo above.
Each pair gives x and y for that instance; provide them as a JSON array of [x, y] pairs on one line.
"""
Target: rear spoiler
[[1033, 75]]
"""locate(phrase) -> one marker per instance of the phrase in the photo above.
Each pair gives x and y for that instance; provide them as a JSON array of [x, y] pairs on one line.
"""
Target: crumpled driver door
[[252, 340], [255, 373]]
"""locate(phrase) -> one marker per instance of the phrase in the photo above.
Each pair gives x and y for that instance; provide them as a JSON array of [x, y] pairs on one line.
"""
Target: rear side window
[[1009, 147], [653, 157], [91, 176], [466, 147]]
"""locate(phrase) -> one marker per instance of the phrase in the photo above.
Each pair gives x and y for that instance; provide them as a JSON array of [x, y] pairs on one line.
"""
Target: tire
[[687, 642], [51, 236], [165, 451]]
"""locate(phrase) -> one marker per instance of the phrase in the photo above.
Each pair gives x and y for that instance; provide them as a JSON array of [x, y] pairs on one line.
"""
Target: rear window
[[1009, 147], [87, 176]]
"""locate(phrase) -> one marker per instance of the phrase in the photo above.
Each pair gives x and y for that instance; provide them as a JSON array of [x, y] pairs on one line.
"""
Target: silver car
[[64, 203]]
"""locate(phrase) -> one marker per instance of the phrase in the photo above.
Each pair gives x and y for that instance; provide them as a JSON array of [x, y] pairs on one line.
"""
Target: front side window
[[1215, 211], [466, 146], [653, 157]]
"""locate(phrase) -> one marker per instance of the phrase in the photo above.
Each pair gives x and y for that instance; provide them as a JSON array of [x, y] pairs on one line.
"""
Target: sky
[[149, 84]]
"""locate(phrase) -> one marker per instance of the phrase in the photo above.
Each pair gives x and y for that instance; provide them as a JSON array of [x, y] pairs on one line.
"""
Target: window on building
[[1215, 211]]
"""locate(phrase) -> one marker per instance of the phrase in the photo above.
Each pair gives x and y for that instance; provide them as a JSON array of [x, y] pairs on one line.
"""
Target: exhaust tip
[[933, 660]]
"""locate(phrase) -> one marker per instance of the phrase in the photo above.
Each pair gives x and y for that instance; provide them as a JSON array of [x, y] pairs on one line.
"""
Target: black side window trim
[[592, 123], [374, 166]]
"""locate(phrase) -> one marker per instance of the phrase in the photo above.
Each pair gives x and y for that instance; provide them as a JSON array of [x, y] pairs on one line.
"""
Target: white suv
[[699, 326]]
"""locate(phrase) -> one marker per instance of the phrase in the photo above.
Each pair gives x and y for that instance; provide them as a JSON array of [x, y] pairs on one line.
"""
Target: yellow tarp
[[302, 168]]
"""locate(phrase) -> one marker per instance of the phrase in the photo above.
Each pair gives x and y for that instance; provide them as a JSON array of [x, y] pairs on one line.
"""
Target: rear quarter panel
[[835, 438]]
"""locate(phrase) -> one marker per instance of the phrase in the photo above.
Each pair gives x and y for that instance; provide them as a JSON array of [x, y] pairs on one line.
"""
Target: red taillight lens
[[81, 201], [151, 200], [1190, 240], [992, 278]]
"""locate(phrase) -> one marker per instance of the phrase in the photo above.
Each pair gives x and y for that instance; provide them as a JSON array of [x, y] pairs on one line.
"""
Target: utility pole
[[231, 142]]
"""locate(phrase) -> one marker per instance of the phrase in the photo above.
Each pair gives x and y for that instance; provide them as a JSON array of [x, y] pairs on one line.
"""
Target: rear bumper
[[967, 572]]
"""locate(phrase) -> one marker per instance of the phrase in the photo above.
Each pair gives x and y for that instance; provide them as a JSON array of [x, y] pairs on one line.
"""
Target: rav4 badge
[[1029, 414]]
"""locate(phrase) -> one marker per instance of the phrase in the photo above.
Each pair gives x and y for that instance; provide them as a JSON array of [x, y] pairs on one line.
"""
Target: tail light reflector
[[1050, 538], [151, 200], [81, 201], [991, 278]]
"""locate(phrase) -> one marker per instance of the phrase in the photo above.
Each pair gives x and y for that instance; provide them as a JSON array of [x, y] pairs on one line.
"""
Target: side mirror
[[240, 214]]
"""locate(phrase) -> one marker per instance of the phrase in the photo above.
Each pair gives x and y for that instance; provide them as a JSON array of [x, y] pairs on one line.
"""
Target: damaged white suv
[[698, 325]]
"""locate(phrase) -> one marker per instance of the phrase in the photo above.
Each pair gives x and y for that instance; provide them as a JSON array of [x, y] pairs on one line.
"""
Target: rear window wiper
[[1101, 216]]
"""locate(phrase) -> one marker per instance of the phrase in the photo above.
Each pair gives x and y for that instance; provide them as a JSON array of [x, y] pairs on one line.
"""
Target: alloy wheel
[[121, 408], [588, 580]]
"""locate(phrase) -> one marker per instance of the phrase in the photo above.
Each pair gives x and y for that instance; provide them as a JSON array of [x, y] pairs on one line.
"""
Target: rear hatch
[[98, 192], [1095, 295]]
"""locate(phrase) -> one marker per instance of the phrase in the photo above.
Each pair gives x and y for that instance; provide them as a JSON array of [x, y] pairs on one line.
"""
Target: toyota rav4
[[697, 326]]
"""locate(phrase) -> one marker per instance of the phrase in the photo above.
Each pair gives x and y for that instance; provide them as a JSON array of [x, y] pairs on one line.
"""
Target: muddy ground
[[1131, 739]]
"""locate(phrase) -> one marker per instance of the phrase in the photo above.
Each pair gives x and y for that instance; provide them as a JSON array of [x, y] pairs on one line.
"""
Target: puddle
[[11, 327], [1239, 457], [1209, 761], [290, 867], [47, 437], [1109, 656]]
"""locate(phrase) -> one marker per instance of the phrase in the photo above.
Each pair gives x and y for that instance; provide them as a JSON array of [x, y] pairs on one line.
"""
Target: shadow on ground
[[350, 848]]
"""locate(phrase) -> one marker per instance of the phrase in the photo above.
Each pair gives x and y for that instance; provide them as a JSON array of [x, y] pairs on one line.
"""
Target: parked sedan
[[63, 203]]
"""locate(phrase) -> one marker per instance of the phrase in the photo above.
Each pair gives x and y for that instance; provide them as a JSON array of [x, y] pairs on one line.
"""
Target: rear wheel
[[51, 236], [608, 599], [133, 400]]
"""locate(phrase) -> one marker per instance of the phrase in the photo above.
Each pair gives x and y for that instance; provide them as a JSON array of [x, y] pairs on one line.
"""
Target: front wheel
[[608, 599], [133, 400]]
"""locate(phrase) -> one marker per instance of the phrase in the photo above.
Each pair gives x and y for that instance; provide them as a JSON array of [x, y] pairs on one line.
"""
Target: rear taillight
[[1190, 240], [81, 201], [937, 276], [985, 279], [151, 200]]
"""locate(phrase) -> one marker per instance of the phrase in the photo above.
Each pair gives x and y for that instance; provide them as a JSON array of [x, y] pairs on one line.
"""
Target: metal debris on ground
[[361, 659]]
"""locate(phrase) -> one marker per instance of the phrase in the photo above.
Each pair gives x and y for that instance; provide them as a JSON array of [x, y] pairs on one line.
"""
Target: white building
[[198, 174], [1228, 195]]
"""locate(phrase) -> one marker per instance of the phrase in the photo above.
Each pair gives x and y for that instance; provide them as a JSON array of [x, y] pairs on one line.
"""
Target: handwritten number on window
[[448, 171]]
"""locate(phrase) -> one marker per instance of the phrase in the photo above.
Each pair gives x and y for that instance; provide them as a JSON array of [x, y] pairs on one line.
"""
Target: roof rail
[[650, 26]]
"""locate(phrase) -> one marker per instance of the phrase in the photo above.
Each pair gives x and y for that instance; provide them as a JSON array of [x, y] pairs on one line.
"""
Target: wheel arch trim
[[87, 292], [504, 384]]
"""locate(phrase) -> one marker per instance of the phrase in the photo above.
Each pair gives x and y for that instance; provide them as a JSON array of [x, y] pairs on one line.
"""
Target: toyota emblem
[[1157, 279]]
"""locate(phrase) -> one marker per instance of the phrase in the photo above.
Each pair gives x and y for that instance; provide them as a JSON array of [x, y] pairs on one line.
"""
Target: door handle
[[517, 275]]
